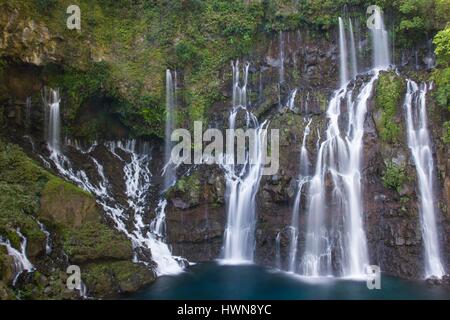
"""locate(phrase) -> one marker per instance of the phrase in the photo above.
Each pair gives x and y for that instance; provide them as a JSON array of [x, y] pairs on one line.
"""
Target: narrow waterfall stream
[[420, 145], [343, 56], [171, 86], [303, 179], [354, 60], [135, 159], [242, 180]]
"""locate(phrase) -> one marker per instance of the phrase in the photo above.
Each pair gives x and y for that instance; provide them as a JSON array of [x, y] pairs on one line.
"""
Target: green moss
[[111, 278], [95, 241], [446, 135], [54, 185], [441, 78], [394, 177], [389, 94], [187, 183]]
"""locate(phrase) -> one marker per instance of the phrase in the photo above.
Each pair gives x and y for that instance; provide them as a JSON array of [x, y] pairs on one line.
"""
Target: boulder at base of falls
[[65, 204], [106, 280]]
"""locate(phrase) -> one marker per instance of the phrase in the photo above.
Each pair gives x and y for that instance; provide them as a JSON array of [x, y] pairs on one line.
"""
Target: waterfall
[[53, 100], [302, 180], [335, 239], [420, 145], [353, 58], [278, 251], [48, 247], [138, 182], [291, 99], [169, 170], [339, 162], [380, 43], [21, 262], [343, 54], [242, 181]]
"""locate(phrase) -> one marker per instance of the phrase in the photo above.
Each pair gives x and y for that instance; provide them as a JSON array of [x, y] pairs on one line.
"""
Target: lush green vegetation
[[389, 94], [394, 177], [125, 46], [441, 76]]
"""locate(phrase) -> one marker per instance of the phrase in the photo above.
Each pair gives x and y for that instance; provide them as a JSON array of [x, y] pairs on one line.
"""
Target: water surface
[[212, 281]]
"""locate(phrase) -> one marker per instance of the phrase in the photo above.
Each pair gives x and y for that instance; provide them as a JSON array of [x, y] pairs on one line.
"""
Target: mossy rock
[[51, 286], [390, 90], [95, 241], [186, 193], [109, 279], [394, 177], [64, 204]]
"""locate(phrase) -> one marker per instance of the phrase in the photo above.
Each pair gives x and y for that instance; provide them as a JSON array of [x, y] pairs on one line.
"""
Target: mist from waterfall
[[171, 87], [420, 145], [242, 181]]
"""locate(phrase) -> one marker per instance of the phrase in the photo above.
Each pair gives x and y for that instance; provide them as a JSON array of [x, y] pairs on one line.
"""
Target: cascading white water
[[343, 54], [291, 100], [137, 184], [335, 241], [137, 178], [21, 262], [420, 145], [339, 158], [380, 43], [354, 60], [48, 247], [302, 181], [54, 121], [242, 181], [169, 170]]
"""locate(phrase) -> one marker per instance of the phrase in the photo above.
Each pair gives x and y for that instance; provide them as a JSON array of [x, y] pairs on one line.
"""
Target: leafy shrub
[[394, 177]]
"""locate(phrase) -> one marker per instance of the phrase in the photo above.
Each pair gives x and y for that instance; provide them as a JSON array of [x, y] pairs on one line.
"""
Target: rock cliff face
[[196, 212], [392, 219]]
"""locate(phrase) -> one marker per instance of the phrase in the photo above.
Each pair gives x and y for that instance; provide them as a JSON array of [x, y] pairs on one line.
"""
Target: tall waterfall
[[343, 56], [338, 163], [380, 43], [169, 170], [420, 145], [242, 181], [302, 180], [335, 241], [52, 99]]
